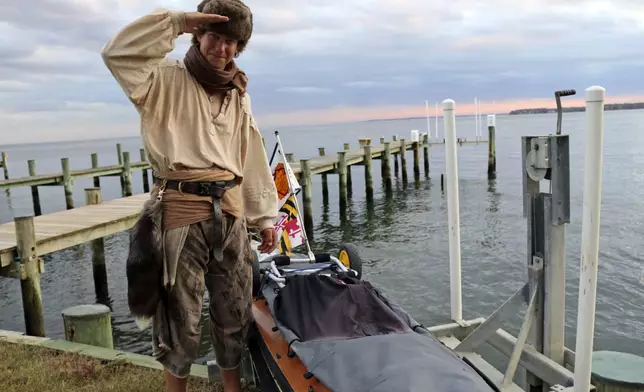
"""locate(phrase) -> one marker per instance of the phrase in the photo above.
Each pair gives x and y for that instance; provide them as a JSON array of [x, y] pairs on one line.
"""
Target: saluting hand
[[194, 19]]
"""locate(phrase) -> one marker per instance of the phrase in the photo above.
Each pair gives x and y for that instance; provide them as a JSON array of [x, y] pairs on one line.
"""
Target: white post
[[436, 118], [480, 115], [451, 162], [589, 237], [429, 131], [476, 120]]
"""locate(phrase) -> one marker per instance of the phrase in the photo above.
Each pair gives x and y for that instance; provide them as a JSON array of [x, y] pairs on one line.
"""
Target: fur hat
[[240, 20]]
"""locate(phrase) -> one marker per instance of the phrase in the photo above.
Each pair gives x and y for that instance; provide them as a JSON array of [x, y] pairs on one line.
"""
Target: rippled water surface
[[402, 238]]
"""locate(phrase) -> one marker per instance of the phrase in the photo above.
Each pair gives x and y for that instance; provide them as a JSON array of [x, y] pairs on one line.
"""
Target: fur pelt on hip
[[144, 266]]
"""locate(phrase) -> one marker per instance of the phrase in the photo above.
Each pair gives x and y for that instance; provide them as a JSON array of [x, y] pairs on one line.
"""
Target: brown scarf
[[211, 78]]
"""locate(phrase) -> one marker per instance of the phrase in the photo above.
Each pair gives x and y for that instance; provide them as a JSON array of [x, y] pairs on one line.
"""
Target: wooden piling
[[403, 160], [396, 169], [347, 146], [325, 188], [416, 149], [93, 197], [127, 174], [5, 165], [305, 182], [342, 179], [119, 153], [289, 157], [491, 157], [382, 140], [367, 172], [35, 196], [97, 179], [30, 268], [89, 324], [426, 154], [144, 172], [386, 175], [67, 183]]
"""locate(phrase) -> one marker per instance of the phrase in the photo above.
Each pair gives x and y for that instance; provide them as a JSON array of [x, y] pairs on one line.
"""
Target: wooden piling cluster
[[363, 156], [66, 178]]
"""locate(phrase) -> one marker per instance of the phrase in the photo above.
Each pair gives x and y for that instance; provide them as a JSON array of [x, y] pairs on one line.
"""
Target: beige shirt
[[181, 127]]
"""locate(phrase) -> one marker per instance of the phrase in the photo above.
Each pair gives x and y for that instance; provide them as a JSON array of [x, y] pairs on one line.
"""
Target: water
[[402, 239]]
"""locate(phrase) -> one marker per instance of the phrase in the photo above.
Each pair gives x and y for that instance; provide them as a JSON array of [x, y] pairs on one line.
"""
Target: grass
[[30, 368]]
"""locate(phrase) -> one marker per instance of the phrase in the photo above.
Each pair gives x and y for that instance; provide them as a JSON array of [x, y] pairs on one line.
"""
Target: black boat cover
[[354, 339]]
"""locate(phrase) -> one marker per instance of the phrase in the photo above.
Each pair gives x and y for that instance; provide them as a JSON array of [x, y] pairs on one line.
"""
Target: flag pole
[[287, 168]]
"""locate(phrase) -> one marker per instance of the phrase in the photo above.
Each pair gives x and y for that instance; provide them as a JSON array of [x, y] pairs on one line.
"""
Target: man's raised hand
[[194, 19]]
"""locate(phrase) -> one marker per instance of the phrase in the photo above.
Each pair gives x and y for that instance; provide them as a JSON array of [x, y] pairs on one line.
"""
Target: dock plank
[[68, 228]]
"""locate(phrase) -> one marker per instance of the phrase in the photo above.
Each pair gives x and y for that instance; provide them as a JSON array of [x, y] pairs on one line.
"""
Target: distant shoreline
[[607, 107]]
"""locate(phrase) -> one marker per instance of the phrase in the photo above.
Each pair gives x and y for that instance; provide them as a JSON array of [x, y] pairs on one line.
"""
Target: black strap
[[215, 189]]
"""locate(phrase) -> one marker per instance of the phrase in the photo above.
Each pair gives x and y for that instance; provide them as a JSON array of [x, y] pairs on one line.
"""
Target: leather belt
[[213, 189]]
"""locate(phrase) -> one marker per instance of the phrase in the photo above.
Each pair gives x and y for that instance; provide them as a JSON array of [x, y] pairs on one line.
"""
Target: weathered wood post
[[127, 174], [93, 197], [67, 183], [119, 153], [395, 139], [367, 172], [491, 146], [30, 268], [386, 175], [144, 172], [34, 189], [97, 179], [382, 140], [416, 150], [89, 324], [342, 179], [289, 157], [403, 160], [305, 182], [5, 165], [325, 188], [347, 146], [426, 154]]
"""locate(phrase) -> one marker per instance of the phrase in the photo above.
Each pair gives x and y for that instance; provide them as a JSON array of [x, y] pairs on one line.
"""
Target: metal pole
[[451, 163], [590, 236]]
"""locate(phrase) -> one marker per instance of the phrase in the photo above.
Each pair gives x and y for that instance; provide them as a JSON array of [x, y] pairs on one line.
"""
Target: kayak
[[318, 326]]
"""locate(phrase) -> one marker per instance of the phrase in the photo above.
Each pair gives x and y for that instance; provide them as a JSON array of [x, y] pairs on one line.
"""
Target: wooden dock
[[64, 229]]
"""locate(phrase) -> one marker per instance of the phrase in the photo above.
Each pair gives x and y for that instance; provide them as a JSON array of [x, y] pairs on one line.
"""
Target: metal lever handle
[[558, 95], [565, 93]]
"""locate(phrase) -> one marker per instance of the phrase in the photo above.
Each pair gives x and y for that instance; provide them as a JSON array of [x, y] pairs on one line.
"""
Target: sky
[[315, 62]]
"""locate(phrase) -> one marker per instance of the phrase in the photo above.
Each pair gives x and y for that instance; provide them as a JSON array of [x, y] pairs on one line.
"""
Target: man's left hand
[[269, 240]]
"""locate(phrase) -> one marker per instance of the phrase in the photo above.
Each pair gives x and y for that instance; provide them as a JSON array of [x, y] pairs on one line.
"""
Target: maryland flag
[[289, 229]]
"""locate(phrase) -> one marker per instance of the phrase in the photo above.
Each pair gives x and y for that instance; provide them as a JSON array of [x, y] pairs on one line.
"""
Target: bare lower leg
[[231, 380], [172, 383]]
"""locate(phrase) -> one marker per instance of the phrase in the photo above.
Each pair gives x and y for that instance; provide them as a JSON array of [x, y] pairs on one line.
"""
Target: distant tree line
[[608, 106]]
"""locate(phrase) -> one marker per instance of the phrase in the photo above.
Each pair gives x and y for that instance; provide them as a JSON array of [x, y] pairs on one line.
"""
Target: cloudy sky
[[314, 61]]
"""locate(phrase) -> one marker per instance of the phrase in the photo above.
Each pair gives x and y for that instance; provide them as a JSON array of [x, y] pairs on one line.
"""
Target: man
[[212, 179]]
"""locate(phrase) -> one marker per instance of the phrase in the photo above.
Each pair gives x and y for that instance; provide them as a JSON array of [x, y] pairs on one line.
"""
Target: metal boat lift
[[539, 347]]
